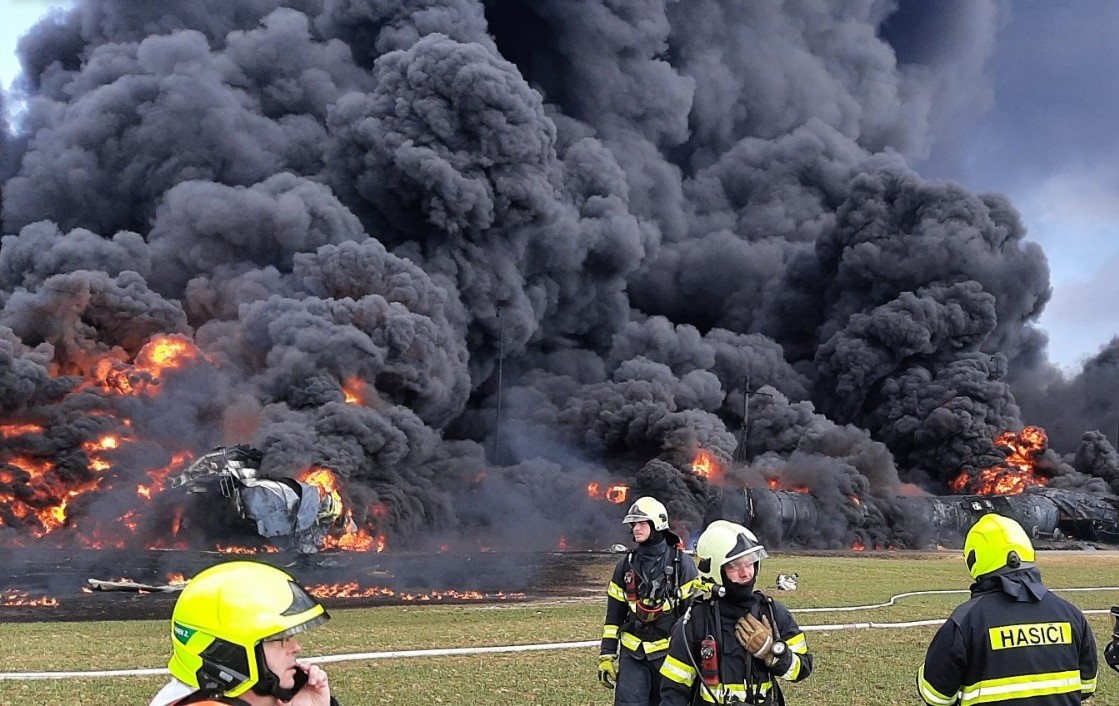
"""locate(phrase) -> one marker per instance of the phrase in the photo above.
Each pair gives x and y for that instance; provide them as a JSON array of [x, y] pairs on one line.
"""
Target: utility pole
[[740, 451], [500, 387]]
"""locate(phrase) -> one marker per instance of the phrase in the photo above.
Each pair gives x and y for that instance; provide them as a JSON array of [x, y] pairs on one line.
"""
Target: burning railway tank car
[[792, 517]]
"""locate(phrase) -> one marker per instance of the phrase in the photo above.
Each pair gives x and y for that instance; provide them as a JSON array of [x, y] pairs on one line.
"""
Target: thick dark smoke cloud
[[559, 242]]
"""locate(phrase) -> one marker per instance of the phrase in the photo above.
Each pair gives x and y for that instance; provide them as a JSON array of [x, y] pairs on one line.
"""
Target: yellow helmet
[[996, 543], [649, 510], [723, 542], [222, 618]]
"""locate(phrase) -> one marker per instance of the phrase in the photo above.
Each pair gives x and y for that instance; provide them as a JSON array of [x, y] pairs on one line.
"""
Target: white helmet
[[649, 510], [721, 543]]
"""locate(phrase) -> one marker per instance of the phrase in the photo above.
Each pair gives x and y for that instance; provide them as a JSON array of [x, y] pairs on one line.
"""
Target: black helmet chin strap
[[269, 684]]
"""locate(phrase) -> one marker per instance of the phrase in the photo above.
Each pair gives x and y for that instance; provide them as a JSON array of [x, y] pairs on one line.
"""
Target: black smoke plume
[[558, 241]]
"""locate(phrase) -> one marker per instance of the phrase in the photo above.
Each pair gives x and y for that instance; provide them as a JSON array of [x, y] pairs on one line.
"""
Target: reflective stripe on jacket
[[743, 677], [622, 624], [994, 648]]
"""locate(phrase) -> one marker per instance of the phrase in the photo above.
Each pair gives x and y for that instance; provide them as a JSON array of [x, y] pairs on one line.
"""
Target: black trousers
[[639, 681]]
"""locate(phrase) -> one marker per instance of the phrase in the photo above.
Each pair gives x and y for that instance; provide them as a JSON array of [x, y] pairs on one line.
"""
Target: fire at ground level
[[51, 586]]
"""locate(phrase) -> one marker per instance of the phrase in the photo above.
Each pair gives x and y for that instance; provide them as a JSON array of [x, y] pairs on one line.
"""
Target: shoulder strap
[[677, 579], [775, 685], [769, 608]]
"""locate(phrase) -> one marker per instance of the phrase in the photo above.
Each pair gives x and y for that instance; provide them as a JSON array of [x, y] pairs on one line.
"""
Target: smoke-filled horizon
[[557, 241]]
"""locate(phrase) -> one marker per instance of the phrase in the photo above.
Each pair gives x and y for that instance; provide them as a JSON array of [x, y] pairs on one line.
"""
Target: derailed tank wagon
[[785, 516]]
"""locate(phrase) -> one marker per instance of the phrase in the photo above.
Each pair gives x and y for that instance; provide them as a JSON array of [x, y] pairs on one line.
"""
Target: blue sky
[[1048, 142], [18, 16]]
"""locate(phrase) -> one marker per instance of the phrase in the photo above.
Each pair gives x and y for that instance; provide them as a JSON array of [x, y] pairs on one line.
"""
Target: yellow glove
[[756, 636], [608, 670]]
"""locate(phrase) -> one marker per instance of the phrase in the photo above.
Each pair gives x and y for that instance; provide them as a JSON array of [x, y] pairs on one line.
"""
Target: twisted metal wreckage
[[290, 513]]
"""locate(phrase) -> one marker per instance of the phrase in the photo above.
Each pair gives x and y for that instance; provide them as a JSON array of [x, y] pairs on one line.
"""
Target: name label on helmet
[[1030, 635], [182, 633]]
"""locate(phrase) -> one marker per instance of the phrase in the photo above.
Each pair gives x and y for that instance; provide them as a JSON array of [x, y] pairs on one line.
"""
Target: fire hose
[[454, 651]]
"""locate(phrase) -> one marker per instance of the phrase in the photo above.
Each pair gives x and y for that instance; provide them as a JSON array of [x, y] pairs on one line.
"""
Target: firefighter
[[733, 642], [643, 601], [1014, 641], [1111, 652], [233, 640]]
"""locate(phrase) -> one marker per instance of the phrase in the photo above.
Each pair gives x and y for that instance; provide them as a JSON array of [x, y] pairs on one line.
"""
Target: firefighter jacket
[[202, 698], [226, 700], [1013, 642], [733, 675], [644, 600]]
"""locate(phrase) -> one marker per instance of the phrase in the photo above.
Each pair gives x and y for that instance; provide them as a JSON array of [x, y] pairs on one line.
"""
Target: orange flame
[[232, 549], [616, 493], [1016, 473], [351, 539], [352, 589], [354, 390], [11, 431], [159, 475], [357, 541], [707, 465], [159, 355], [15, 597], [164, 353], [46, 496], [778, 484]]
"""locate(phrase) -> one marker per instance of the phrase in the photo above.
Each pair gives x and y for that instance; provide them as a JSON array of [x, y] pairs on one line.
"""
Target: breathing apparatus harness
[[709, 665], [649, 594]]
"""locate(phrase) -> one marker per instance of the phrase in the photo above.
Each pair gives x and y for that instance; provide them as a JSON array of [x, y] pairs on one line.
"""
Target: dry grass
[[862, 666]]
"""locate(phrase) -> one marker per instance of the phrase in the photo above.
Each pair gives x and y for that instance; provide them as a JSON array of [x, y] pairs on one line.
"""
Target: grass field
[[874, 666]]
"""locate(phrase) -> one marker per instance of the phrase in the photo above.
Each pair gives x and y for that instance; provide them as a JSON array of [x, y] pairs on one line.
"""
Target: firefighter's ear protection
[[997, 544], [1013, 561]]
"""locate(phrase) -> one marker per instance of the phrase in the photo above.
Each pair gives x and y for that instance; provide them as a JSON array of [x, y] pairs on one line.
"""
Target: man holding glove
[[757, 637], [735, 643]]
